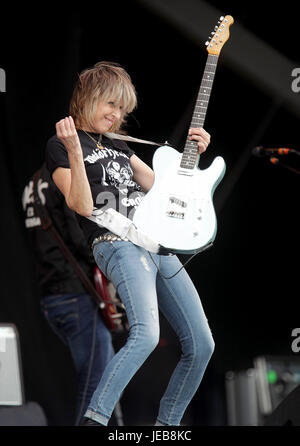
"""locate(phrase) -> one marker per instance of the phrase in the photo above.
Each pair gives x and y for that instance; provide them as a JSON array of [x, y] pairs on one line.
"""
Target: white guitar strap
[[130, 138], [123, 227]]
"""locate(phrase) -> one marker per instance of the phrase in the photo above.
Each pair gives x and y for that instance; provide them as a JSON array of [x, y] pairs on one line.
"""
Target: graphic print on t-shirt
[[32, 219], [119, 176]]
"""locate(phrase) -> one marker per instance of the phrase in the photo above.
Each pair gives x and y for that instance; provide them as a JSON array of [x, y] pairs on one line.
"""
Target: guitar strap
[[122, 226], [47, 224], [132, 139]]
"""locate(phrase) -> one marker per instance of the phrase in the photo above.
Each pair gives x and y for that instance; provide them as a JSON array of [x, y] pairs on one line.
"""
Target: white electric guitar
[[178, 211]]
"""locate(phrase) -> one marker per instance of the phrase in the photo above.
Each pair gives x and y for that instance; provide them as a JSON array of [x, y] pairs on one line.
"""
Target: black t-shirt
[[109, 174], [55, 274]]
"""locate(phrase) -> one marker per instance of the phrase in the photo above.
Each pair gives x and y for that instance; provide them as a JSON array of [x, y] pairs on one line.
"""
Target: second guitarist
[[67, 307]]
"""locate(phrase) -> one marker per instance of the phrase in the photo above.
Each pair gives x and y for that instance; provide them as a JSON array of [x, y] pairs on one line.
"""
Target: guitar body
[[178, 210]]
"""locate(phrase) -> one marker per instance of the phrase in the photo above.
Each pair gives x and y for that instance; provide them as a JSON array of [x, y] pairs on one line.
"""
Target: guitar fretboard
[[190, 152]]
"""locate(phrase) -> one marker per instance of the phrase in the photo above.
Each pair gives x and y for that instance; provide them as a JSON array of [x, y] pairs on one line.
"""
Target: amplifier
[[11, 376], [252, 395], [241, 398], [276, 378]]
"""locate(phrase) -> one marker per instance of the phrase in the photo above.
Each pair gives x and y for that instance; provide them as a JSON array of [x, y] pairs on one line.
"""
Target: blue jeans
[[143, 291], [76, 319]]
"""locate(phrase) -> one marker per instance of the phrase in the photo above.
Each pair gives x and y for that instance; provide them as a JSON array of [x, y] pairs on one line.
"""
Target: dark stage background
[[248, 281]]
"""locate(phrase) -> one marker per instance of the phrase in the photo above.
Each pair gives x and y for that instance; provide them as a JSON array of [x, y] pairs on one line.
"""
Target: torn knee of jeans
[[145, 263], [153, 312]]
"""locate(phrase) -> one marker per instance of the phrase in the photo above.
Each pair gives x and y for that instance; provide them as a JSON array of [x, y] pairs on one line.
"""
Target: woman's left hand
[[200, 135]]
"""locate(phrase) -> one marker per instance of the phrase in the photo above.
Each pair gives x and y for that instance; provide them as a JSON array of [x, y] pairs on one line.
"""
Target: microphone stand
[[260, 152]]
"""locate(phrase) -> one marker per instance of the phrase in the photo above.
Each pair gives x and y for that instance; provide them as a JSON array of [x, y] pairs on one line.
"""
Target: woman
[[93, 171]]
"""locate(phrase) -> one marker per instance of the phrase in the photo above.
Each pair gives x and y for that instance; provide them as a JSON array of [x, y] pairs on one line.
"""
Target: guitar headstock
[[220, 35]]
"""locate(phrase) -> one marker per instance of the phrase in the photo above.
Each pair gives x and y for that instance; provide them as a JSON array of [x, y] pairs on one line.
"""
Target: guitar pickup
[[174, 214], [175, 200]]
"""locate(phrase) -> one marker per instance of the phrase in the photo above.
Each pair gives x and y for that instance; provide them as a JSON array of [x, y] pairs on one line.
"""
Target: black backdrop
[[248, 281]]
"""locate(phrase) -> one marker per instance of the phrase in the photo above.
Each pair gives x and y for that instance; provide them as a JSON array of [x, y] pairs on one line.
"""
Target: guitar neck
[[190, 153]]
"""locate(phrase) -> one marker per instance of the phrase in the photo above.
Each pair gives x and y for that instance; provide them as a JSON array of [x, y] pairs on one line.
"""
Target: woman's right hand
[[67, 133]]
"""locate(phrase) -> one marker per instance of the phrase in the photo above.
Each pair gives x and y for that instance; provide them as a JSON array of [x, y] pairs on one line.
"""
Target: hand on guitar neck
[[200, 135]]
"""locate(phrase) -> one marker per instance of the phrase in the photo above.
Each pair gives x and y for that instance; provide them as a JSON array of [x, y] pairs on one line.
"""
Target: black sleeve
[[56, 155]]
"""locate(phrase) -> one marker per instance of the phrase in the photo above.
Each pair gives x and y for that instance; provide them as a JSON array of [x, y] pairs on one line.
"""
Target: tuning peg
[[213, 33], [222, 18], [207, 43]]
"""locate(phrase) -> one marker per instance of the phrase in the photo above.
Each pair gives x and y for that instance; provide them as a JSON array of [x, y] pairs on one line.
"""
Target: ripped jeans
[[143, 292]]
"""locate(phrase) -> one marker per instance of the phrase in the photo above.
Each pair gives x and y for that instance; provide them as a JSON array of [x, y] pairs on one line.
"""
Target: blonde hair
[[105, 81]]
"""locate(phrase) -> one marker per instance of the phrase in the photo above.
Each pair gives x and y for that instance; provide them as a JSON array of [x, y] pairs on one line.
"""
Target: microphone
[[261, 151]]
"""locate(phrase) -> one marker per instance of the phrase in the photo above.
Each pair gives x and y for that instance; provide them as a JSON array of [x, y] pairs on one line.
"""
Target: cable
[[170, 277]]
